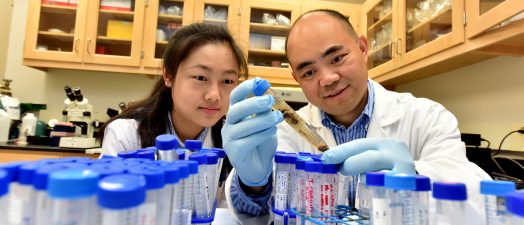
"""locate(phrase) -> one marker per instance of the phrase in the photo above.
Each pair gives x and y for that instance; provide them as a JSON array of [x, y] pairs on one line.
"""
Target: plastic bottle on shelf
[[29, 124], [5, 123]]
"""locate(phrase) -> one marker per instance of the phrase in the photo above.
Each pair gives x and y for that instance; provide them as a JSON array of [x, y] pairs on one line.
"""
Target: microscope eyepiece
[[69, 93], [79, 97], [77, 91]]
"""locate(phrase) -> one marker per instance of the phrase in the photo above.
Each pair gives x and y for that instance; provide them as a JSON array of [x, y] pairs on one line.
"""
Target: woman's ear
[[168, 81]]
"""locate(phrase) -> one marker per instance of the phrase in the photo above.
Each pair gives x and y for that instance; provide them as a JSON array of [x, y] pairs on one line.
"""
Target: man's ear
[[363, 46], [168, 81]]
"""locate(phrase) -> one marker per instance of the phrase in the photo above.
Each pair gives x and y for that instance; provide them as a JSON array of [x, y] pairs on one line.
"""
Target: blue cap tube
[[72, 184], [121, 191]]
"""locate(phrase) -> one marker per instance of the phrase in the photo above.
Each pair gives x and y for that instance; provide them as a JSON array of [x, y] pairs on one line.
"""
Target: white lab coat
[[429, 130]]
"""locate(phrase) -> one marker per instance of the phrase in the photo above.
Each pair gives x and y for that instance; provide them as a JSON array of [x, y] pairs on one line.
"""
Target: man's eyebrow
[[326, 53], [303, 64]]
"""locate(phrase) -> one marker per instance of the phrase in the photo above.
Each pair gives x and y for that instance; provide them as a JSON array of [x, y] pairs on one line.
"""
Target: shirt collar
[[171, 130], [368, 110]]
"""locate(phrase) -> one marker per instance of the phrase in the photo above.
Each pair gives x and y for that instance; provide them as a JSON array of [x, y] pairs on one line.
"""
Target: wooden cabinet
[[402, 32], [485, 14]]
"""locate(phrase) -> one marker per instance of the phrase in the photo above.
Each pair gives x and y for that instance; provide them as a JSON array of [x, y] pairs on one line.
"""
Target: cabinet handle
[[397, 44], [390, 46], [88, 43], [75, 44]]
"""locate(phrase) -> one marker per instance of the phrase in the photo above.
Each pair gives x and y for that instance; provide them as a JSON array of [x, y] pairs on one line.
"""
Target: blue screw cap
[[198, 157], [12, 169], [166, 142], [193, 145], [138, 160], [72, 183], [5, 180], [106, 170], [183, 170], [121, 191], [211, 158], [499, 188], [450, 191], [192, 165], [282, 158], [313, 167], [260, 86], [26, 173], [128, 154], [155, 177], [301, 162], [400, 181], [172, 173], [329, 168], [41, 175], [147, 154], [220, 152], [515, 203], [375, 179], [423, 183]]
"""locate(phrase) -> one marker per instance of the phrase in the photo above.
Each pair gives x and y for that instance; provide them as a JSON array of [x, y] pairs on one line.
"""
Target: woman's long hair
[[152, 112]]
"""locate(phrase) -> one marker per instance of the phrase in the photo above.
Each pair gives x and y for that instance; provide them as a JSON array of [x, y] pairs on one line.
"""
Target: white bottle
[[5, 123], [11, 106], [29, 124]]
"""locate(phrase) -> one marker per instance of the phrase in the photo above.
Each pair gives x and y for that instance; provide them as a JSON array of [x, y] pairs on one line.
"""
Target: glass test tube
[[421, 200], [450, 199], [313, 174], [152, 211], [281, 180], [380, 213], [290, 116], [72, 204], [515, 206], [166, 145], [119, 197], [400, 190], [495, 200], [328, 189], [5, 180], [201, 185]]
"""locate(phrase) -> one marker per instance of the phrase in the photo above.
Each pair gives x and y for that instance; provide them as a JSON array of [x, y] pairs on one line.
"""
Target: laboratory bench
[[12, 152]]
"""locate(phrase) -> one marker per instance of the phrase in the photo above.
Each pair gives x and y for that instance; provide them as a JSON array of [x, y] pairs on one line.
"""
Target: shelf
[[117, 14], [443, 18], [112, 41], [167, 18], [215, 21], [381, 21], [267, 52], [261, 28], [58, 9], [56, 36], [379, 48]]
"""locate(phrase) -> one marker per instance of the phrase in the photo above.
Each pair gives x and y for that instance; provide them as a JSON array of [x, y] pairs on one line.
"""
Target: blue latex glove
[[251, 142], [371, 154]]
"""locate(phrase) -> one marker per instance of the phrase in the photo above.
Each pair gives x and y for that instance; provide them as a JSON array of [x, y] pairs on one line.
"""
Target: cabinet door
[[351, 11], [484, 14], [55, 31], [162, 19], [264, 26], [380, 27], [222, 12], [428, 27], [114, 33]]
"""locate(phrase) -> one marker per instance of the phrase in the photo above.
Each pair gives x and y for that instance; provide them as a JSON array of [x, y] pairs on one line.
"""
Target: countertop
[[31, 147]]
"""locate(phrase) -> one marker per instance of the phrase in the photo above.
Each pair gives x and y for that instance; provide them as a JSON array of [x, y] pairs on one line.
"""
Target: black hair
[[152, 112]]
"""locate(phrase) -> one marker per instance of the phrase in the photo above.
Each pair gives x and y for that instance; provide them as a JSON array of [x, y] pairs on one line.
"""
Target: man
[[367, 127]]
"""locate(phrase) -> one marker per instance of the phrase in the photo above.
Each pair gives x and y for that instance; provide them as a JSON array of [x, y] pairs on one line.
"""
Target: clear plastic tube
[[300, 191], [343, 189], [43, 208], [449, 212], [380, 213], [26, 194], [163, 206], [313, 174], [495, 210], [401, 206], [364, 200], [328, 189], [73, 211], [148, 211], [120, 217], [187, 208], [14, 205], [3, 213], [281, 185], [176, 205], [421, 207], [201, 197]]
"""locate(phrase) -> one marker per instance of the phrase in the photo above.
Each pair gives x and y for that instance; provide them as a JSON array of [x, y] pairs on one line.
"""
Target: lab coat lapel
[[385, 113]]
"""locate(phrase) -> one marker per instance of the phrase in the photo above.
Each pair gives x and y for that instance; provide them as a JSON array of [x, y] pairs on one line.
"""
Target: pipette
[[262, 87]]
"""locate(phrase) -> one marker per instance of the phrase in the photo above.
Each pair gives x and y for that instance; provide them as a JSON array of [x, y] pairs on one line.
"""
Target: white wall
[[104, 90], [487, 98], [5, 22]]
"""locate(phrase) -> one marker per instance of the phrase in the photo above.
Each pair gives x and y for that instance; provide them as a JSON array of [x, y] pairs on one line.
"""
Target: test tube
[[299, 196], [156, 201], [166, 145], [201, 185], [380, 213], [450, 201], [290, 116], [421, 199], [177, 216], [313, 174], [73, 196], [363, 195], [221, 155], [515, 206], [281, 180], [14, 201], [292, 179], [211, 164], [172, 178], [400, 188], [5, 180], [188, 189], [495, 200], [26, 192], [328, 189], [119, 197]]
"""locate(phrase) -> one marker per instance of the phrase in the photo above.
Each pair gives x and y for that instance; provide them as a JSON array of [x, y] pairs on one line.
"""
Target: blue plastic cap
[[74, 165], [400, 181], [515, 203], [147, 154], [317, 158], [220, 152], [155, 177], [329, 168], [128, 154], [107, 169], [79, 159], [313, 167], [166, 142], [152, 148], [181, 154], [260, 86], [26, 173], [172, 173], [301, 162], [138, 160], [282, 158], [375, 179], [211, 158], [72, 183], [5, 180], [450, 191], [121, 191], [41, 175], [423, 183], [192, 165], [292, 157], [108, 157], [497, 187], [54, 161], [183, 170], [198, 157], [105, 160], [305, 153], [12, 169], [193, 145]]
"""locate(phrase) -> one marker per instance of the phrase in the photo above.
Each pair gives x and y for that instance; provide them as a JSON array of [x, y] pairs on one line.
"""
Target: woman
[[201, 66]]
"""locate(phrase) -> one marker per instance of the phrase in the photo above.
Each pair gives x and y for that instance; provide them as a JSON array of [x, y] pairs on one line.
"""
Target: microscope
[[78, 111]]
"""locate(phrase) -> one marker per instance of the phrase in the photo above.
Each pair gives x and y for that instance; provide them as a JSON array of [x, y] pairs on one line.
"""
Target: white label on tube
[[281, 190], [147, 214], [381, 213]]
